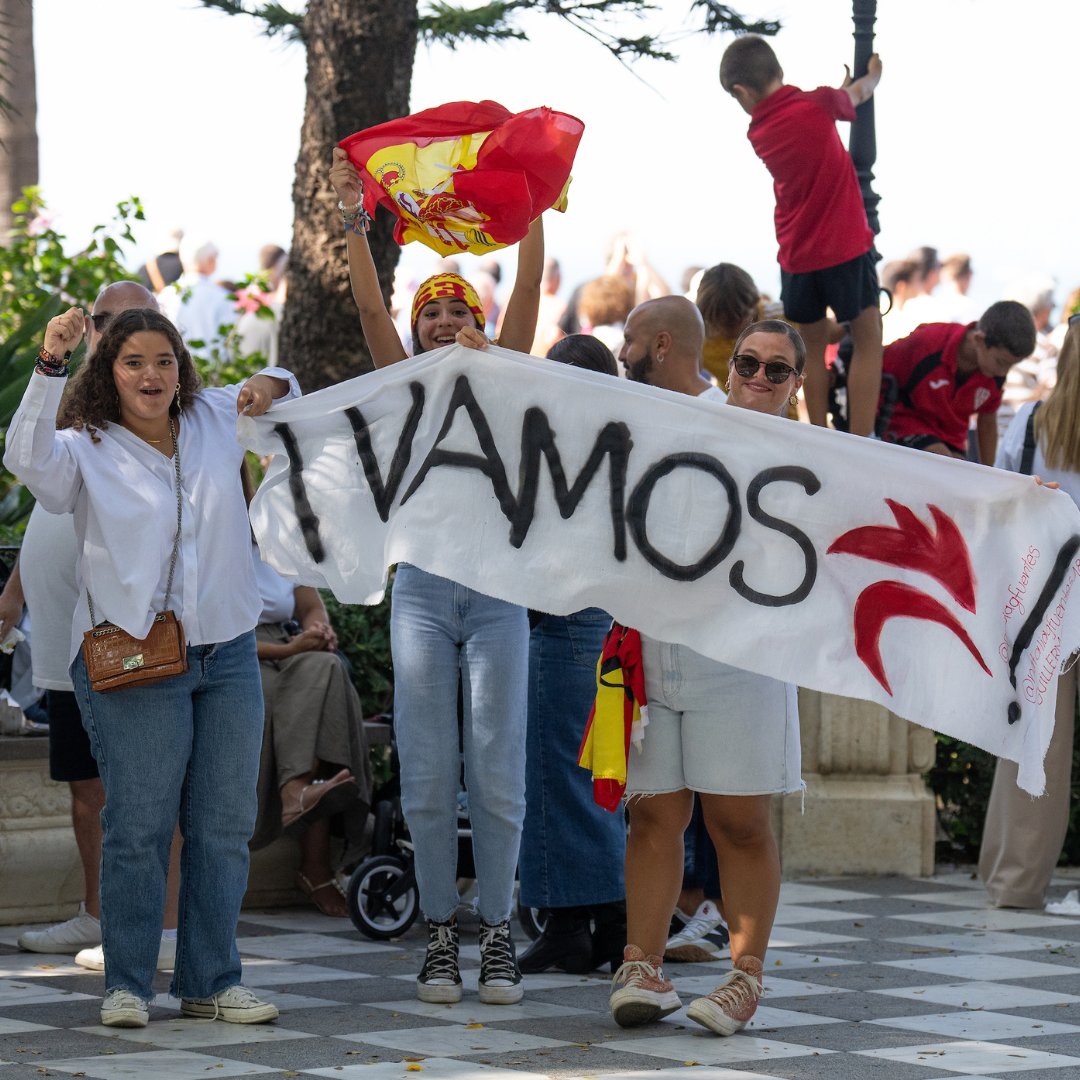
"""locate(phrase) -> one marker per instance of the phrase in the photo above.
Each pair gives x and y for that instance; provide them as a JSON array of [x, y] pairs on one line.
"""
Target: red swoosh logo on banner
[[890, 600], [912, 546]]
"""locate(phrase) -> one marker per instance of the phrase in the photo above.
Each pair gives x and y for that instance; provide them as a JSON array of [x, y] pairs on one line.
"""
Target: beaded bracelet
[[355, 218], [50, 365]]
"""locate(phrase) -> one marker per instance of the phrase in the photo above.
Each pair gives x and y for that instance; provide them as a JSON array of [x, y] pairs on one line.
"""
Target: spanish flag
[[618, 715], [466, 176]]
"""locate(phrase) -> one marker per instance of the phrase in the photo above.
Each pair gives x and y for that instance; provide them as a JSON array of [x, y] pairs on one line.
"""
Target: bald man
[[662, 345], [46, 570]]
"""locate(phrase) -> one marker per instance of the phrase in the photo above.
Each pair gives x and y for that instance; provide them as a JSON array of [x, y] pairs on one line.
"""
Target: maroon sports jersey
[[936, 400]]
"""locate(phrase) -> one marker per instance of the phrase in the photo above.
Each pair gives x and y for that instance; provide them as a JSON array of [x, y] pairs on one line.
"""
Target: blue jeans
[[184, 748], [440, 631], [571, 850]]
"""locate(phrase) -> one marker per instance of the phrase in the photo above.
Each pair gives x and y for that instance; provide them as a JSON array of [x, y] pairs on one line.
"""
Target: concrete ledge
[[859, 825], [41, 879]]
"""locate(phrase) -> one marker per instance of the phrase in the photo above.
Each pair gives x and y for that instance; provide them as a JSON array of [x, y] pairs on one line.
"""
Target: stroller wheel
[[383, 898], [532, 920]]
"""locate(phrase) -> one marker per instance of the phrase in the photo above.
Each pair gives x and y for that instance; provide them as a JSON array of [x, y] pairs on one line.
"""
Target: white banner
[[937, 588]]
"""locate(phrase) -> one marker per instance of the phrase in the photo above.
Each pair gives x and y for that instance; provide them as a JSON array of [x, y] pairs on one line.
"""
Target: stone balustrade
[[867, 810]]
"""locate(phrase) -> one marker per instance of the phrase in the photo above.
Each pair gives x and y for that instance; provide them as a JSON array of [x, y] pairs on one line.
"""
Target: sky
[[199, 115]]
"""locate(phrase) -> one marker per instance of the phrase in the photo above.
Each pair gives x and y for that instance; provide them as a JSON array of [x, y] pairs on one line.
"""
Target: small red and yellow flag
[[466, 176], [620, 704]]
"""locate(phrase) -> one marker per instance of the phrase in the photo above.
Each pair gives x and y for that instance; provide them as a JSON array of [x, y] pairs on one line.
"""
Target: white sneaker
[[67, 937], [703, 938], [236, 1005], [122, 1008], [94, 959]]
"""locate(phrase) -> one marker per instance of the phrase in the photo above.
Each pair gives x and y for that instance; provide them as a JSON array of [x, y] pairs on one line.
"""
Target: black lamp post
[[863, 143]]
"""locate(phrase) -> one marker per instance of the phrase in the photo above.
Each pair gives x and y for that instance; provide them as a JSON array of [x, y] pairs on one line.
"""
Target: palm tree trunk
[[18, 122], [360, 58]]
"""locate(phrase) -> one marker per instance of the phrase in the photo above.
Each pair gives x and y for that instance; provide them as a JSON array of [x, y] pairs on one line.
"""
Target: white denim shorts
[[714, 728]]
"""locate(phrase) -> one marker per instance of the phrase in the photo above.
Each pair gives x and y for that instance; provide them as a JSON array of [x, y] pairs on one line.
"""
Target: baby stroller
[[382, 894]]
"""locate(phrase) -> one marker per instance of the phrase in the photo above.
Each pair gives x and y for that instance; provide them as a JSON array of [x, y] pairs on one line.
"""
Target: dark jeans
[[571, 850]]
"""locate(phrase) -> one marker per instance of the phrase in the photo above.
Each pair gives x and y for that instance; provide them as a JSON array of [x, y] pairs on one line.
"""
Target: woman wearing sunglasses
[[731, 737]]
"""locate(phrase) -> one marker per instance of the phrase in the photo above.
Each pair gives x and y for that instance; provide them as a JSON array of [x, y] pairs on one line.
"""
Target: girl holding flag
[[441, 632]]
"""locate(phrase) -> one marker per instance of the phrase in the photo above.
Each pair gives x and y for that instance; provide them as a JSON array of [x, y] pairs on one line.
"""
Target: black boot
[[565, 944], [609, 936]]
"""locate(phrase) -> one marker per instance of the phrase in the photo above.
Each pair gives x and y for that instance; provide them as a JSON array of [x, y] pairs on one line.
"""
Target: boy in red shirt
[[826, 258], [942, 373]]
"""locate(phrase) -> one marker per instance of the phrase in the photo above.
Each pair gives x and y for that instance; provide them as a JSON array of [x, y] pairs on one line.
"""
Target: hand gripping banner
[[466, 176]]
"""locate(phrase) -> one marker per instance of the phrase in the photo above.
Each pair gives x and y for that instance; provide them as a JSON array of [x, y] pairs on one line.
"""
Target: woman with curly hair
[[148, 463]]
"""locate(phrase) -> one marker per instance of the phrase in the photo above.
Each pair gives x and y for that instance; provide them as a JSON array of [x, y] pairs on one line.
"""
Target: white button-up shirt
[[122, 492]]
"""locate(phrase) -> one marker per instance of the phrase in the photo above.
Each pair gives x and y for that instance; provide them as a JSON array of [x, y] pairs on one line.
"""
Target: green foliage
[[449, 24], [721, 17], [39, 279], [220, 366], [277, 18], [35, 267], [960, 780], [364, 637]]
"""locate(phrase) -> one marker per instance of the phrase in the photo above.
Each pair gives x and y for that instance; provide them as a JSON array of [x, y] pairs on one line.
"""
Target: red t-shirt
[[942, 401], [820, 218]]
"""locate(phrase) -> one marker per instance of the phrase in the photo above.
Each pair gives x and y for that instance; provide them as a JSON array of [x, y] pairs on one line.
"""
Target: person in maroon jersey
[[942, 373]]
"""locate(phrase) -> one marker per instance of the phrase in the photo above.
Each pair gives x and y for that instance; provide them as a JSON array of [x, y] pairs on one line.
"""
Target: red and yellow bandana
[[440, 285]]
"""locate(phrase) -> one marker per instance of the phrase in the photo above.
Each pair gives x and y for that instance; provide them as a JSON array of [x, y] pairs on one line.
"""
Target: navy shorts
[[921, 442], [69, 745], [848, 289]]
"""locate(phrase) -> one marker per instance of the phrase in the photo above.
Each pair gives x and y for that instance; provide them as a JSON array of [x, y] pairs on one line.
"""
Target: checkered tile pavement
[[866, 978]]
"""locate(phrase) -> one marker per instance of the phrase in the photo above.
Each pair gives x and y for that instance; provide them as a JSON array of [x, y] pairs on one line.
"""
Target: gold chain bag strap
[[114, 659]]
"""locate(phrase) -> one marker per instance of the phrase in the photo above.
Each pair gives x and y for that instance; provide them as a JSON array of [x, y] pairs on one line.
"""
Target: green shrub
[[961, 779], [364, 637], [39, 279]]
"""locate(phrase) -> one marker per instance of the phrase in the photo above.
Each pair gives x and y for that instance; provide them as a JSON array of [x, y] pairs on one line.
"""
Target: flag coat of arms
[[466, 176]]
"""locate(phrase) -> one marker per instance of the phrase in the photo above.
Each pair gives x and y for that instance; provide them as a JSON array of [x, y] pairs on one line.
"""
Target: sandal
[[332, 904], [319, 799]]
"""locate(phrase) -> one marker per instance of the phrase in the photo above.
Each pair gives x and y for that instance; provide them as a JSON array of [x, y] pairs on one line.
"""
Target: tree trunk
[[360, 58], [18, 124]]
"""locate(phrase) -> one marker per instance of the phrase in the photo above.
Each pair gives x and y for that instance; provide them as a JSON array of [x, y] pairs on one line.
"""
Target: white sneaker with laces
[[67, 937], [236, 1005], [122, 1008], [500, 977], [94, 959], [703, 937]]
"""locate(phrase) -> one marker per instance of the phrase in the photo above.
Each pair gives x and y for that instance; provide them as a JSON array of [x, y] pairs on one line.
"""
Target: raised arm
[[523, 307], [380, 333], [862, 89], [33, 451]]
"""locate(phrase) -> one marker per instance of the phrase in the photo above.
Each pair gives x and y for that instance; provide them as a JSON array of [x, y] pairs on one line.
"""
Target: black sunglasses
[[101, 321], [775, 371]]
